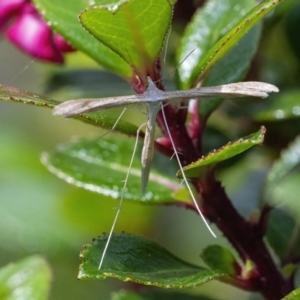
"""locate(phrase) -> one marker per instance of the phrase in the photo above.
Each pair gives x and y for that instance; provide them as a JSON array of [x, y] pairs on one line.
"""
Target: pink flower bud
[[61, 44], [9, 9], [164, 141], [32, 34]]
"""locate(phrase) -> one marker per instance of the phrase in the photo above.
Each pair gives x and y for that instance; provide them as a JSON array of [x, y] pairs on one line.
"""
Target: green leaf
[[208, 25], [284, 106], [98, 119], [283, 233], [283, 178], [197, 168], [234, 35], [153, 294], [8, 93], [294, 295], [137, 259], [62, 16], [231, 68], [28, 279], [135, 30], [100, 165], [217, 257]]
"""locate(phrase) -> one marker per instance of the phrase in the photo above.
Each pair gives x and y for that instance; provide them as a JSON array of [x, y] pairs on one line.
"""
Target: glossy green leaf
[[219, 49], [217, 257], [98, 119], [135, 30], [195, 169], [101, 165], [63, 18], [156, 294], [232, 67], [8, 93], [208, 25], [283, 179], [285, 105], [137, 259], [294, 295], [283, 233], [27, 279]]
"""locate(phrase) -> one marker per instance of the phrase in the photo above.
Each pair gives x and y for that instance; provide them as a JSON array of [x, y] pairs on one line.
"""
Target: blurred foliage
[[27, 279]]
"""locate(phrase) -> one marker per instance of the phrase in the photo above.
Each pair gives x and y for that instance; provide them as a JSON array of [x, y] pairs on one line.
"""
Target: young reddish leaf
[[137, 259], [196, 169], [135, 30]]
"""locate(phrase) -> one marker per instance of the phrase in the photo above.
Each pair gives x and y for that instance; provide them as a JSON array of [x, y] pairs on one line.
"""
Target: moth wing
[[233, 90], [77, 107]]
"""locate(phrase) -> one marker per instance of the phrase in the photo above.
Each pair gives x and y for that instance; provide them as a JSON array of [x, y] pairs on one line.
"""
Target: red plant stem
[[176, 124], [245, 237]]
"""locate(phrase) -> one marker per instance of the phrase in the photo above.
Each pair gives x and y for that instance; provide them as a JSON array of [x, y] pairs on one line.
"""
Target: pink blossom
[[9, 9], [30, 32]]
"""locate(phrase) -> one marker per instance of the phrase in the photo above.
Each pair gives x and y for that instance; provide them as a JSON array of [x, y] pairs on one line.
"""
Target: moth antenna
[[183, 175], [30, 62], [116, 123], [177, 66], [174, 154], [166, 49], [122, 197]]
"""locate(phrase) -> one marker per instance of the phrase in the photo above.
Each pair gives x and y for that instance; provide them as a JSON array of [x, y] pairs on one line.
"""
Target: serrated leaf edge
[[214, 152]]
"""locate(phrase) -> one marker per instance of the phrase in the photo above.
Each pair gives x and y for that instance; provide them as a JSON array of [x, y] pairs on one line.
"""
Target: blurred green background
[[40, 213]]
